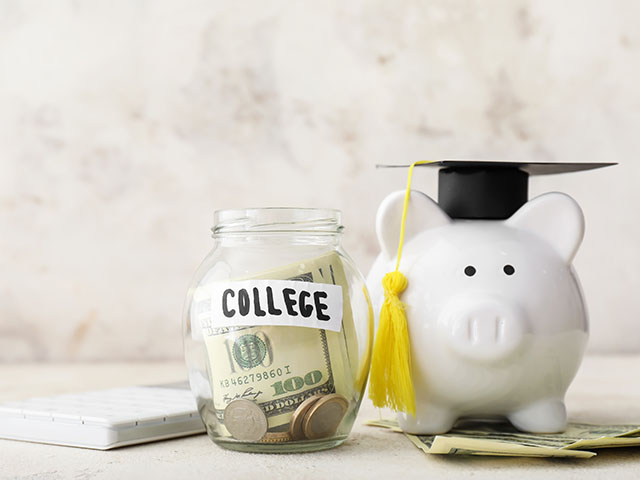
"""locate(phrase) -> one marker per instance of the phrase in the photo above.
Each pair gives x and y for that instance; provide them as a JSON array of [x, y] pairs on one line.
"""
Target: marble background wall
[[124, 124]]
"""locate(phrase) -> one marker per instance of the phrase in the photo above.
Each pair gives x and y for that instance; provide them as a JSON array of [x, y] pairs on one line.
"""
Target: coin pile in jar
[[317, 417]]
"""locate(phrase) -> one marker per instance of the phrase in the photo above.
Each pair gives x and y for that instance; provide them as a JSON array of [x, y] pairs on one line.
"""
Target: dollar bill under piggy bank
[[496, 317]]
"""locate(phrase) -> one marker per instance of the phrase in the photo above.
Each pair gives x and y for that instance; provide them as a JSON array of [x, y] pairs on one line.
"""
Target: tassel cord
[[391, 383]]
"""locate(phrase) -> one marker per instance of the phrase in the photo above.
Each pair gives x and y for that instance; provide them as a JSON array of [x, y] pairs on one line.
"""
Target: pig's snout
[[483, 329]]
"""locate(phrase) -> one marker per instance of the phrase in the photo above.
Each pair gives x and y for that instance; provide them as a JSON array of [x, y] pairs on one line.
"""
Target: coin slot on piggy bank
[[496, 318], [278, 332]]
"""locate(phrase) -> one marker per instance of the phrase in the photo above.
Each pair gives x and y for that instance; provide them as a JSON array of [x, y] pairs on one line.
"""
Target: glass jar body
[[272, 362]]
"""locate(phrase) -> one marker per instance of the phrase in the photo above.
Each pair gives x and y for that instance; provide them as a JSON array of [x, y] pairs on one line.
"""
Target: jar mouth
[[277, 220]]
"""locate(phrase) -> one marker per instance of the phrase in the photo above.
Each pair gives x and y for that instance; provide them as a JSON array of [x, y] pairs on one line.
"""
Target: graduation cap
[[467, 189], [490, 189]]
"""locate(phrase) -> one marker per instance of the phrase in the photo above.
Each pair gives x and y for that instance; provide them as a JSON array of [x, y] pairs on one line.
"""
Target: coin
[[245, 420], [276, 437], [324, 416], [297, 419]]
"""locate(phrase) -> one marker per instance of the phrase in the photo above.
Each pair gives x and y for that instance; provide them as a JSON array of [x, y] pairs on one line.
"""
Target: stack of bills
[[502, 439]]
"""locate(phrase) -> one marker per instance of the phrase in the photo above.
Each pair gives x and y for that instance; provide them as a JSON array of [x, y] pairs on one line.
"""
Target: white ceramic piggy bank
[[496, 317]]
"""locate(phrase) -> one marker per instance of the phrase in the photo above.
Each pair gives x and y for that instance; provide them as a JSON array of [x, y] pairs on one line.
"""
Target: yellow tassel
[[391, 384]]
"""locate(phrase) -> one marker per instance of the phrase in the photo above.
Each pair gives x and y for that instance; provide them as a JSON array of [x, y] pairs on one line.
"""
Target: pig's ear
[[422, 213], [556, 218]]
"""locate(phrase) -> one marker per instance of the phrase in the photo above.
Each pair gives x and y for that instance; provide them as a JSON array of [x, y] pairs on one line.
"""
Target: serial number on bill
[[255, 377]]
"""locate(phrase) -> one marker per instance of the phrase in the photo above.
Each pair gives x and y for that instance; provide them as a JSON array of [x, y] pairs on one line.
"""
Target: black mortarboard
[[490, 189]]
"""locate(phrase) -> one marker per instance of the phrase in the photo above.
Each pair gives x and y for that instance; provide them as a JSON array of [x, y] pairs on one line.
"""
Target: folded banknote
[[502, 439]]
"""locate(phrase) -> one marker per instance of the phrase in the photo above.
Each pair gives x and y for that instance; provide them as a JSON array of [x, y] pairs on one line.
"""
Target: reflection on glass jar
[[278, 332]]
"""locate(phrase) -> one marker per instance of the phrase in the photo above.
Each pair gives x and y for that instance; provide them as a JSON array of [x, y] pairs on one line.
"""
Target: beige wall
[[124, 124]]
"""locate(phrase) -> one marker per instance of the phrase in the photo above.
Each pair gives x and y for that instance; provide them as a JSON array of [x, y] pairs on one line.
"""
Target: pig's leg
[[544, 416], [429, 419]]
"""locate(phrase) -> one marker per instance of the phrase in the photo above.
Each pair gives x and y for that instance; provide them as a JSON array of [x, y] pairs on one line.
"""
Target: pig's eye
[[508, 269], [470, 270]]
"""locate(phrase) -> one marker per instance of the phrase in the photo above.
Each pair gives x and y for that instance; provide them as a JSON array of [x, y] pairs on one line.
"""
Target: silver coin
[[245, 420], [324, 416]]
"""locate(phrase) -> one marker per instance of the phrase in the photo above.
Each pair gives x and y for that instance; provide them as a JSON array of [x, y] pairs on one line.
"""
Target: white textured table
[[605, 390]]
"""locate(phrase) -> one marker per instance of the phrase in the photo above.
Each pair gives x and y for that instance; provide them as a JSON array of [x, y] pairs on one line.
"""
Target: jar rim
[[277, 220]]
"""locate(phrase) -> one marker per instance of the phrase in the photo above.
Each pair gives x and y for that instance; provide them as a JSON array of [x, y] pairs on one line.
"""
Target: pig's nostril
[[475, 330], [473, 333], [499, 329]]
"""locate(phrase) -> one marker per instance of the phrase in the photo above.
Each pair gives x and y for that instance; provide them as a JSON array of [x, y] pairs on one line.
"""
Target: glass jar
[[278, 331]]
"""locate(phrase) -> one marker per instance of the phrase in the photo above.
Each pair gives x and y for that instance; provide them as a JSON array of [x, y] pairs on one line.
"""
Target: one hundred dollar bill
[[278, 367], [502, 439]]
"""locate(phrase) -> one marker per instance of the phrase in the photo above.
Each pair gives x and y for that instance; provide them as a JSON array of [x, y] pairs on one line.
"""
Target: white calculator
[[104, 419]]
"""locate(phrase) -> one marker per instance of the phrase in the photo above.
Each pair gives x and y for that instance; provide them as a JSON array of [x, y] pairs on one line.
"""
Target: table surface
[[604, 391]]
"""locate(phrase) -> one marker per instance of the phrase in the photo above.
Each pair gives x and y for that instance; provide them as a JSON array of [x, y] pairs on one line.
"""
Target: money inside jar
[[317, 417], [324, 416], [284, 371], [245, 420]]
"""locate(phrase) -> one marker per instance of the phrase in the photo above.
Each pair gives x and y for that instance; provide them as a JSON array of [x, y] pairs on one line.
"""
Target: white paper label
[[276, 302]]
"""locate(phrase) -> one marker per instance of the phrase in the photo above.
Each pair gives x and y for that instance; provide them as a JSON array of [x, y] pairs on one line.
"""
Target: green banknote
[[278, 367], [502, 439]]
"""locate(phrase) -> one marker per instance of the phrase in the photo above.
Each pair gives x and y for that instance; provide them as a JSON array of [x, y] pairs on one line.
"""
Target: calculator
[[104, 419]]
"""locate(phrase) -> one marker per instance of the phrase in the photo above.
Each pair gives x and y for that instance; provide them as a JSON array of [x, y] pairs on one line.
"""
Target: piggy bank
[[496, 317]]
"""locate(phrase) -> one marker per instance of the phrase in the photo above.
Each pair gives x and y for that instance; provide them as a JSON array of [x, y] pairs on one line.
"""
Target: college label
[[277, 302]]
